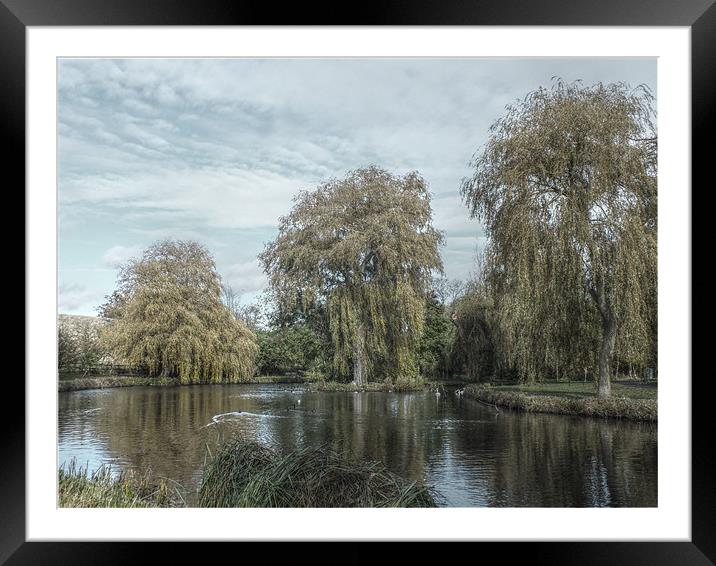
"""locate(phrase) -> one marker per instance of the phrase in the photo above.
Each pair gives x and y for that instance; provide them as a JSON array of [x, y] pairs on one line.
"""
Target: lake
[[472, 454]]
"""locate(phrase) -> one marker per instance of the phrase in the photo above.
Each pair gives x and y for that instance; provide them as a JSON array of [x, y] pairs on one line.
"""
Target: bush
[[294, 349]]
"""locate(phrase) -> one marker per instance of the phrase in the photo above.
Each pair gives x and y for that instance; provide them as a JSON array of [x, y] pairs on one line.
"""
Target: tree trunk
[[609, 334], [359, 356]]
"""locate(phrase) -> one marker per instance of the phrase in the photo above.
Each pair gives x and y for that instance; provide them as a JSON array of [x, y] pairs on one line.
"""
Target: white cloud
[[220, 198], [245, 277], [166, 95], [117, 255], [215, 148], [75, 297]]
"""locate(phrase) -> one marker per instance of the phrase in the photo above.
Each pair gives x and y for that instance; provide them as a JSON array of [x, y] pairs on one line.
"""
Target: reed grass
[[247, 474], [102, 488]]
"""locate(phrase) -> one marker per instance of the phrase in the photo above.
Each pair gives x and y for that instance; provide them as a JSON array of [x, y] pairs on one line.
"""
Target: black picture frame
[[699, 15]]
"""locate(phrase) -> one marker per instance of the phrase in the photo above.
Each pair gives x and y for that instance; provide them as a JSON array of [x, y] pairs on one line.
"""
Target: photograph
[[357, 282]]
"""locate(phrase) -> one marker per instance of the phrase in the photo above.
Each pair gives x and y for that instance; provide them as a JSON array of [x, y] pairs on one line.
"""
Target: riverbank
[[627, 402], [80, 383], [77, 488], [104, 382], [248, 474], [370, 386]]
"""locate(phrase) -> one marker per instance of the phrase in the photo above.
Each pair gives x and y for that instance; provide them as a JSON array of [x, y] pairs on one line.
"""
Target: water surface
[[472, 454]]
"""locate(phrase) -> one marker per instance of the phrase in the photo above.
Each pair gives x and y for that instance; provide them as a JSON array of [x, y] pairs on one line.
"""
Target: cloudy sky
[[214, 149]]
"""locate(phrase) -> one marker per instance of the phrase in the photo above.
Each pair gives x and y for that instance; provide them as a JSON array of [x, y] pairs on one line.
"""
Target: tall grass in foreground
[[247, 474], [102, 488]]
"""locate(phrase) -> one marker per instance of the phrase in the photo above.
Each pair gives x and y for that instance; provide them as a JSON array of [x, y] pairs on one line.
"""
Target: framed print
[[409, 260]]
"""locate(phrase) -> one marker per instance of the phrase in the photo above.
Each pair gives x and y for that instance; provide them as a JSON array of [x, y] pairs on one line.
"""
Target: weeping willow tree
[[364, 248], [566, 188], [171, 320], [478, 334]]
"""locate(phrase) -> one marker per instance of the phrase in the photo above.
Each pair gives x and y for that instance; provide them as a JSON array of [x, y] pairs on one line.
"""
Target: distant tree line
[[79, 349]]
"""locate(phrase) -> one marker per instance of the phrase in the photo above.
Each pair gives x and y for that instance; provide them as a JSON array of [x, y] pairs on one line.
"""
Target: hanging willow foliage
[[364, 247], [473, 315], [172, 321], [566, 188]]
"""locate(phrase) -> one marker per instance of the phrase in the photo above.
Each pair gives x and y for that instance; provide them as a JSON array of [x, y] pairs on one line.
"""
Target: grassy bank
[[370, 386], [111, 381], [627, 402], [579, 389], [77, 488], [103, 382], [276, 379], [246, 474]]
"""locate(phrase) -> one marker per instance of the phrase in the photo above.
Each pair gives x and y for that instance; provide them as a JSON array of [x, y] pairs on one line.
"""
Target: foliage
[[247, 474], [251, 315], [363, 248], [436, 341], [297, 338], [477, 336], [173, 322], [66, 348], [292, 349], [566, 188], [79, 348], [447, 291], [113, 305]]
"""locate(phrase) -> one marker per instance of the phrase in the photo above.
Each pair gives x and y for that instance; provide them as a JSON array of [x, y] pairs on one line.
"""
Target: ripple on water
[[468, 452], [231, 415]]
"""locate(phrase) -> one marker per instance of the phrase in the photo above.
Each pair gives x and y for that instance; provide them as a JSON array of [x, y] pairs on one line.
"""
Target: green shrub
[[293, 349]]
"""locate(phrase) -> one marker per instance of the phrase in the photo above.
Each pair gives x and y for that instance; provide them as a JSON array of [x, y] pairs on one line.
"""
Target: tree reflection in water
[[471, 454]]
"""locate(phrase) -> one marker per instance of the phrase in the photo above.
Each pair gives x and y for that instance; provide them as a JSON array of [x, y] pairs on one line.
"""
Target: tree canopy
[[364, 248], [171, 321], [566, 188]]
